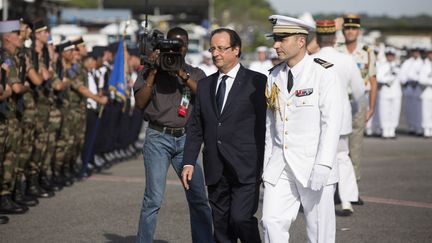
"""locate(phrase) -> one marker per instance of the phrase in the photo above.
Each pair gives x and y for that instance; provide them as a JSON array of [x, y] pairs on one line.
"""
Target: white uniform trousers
[[348, 189], [281, 205], [372, 126], [427, 117], [417, 105], [408, 105], [389, 109]]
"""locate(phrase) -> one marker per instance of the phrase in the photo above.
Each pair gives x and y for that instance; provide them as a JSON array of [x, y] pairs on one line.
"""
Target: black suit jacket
[[237, 134]]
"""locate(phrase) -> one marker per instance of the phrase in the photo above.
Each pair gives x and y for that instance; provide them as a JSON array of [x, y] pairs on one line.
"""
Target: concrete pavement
[[396, 186]]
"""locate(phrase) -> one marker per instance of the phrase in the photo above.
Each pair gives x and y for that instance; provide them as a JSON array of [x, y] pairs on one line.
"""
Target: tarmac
[[396, 186]]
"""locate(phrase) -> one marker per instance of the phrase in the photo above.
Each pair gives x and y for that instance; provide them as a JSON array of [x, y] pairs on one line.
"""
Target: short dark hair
[[177, 31], [326, 40], [235, 40]]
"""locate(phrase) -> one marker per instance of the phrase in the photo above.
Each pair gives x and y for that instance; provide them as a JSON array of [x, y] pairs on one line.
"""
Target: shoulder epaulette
[[275, 66], [340, 43], [323, 63]]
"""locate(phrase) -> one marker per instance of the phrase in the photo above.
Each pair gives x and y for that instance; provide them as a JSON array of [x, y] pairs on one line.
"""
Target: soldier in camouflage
[[19, 68]]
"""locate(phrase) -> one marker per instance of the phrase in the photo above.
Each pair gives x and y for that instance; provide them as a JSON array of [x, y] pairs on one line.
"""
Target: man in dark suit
[[229, 117]]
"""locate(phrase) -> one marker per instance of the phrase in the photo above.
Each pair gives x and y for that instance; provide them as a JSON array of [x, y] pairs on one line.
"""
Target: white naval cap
[[287, 25], [261, 49], [390, 50], [9, 26], [273, 54], [206, 54]]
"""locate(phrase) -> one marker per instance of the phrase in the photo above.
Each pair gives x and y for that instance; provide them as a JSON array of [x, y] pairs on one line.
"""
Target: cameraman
[[167, 100]]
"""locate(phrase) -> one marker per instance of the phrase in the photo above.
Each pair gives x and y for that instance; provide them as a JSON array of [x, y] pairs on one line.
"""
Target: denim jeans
[[159, 151]]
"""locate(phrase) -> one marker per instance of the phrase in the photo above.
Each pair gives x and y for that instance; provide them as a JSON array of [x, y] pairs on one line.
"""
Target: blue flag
[[117, 78]]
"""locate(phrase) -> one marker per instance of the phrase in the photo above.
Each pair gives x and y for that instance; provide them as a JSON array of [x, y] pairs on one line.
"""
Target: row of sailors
[[410, 80]]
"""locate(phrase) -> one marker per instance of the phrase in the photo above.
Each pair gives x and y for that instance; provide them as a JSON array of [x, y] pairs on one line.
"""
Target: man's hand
[[369, 114], [319, 177], [102, 100], [187, 175], [183, 75], [45, 73]]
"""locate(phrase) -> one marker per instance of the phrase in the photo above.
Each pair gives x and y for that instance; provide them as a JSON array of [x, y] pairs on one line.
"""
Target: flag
[[117, 78]]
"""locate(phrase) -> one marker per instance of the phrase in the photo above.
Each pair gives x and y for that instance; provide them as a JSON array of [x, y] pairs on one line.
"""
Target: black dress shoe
[[359, 202], [8, 206], [4, 219]]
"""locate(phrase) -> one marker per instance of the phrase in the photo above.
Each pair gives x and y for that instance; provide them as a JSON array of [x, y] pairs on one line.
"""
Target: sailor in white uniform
[[426, 96], [262, 64], [352, 85], [390, 93], [409, 77], [303, 124]]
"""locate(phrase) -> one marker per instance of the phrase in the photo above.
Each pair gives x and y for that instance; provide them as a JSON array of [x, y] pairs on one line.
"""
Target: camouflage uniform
[[52, 127], [27, 126], [77, 115], [42, 122], [14, 133], [63, 133]]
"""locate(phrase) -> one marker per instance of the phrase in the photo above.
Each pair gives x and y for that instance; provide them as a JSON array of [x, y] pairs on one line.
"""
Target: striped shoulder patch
[[275, 66], [323, 63]]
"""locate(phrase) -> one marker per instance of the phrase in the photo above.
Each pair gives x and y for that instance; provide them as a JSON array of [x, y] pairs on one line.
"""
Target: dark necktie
[[290, 81], [220, 94]]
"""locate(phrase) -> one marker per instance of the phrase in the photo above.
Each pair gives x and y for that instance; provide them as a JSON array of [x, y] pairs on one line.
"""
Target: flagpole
[[126, 66]]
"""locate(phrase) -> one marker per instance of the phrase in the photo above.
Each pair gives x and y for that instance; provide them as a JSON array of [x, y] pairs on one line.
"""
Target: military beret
[[113, 47], [9, 26], [134, 52], [98, 51], [39, 25], [65, 45]]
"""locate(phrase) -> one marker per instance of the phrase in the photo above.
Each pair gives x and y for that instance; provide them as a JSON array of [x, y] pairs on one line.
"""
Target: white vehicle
[[195, 48]]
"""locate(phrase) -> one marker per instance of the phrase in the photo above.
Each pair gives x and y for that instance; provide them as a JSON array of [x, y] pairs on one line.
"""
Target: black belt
[[173, 131]]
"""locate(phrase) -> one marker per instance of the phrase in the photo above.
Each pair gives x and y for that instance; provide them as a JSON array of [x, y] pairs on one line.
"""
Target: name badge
[[304, 92]]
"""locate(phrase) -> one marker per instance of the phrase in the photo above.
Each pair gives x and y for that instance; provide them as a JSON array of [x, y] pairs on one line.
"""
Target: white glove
[[319, 176]]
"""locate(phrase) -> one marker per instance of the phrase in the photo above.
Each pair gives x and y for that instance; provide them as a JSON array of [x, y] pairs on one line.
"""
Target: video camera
[[170, 57]]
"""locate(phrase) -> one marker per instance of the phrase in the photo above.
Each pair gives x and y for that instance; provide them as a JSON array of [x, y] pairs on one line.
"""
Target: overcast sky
[[372, 7]]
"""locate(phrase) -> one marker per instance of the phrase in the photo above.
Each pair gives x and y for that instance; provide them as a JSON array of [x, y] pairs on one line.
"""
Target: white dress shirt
[[229, 81]]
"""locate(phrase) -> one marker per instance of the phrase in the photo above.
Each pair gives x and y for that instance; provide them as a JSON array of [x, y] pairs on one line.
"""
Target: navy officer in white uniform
[[303, 123]]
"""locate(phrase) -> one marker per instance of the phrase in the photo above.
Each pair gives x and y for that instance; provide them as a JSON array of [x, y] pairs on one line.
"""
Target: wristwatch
[[187, 77]]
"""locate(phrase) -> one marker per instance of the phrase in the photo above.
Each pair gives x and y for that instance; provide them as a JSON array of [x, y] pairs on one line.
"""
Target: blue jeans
[[159, 151]]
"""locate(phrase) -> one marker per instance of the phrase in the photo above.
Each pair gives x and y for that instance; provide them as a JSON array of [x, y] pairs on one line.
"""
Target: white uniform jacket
[[303, 129], [410, 70], [351, 82], [387, 76], [426, 79]]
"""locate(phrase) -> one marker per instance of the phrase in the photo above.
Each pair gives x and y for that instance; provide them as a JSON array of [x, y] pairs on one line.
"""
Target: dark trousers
[[90, 137], [234, 205]]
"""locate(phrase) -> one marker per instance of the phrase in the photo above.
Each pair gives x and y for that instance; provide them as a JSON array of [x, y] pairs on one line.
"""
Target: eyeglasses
[[219, 49]]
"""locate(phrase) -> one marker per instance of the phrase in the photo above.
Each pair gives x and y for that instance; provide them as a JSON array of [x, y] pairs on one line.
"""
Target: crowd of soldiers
[[59, 119]]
